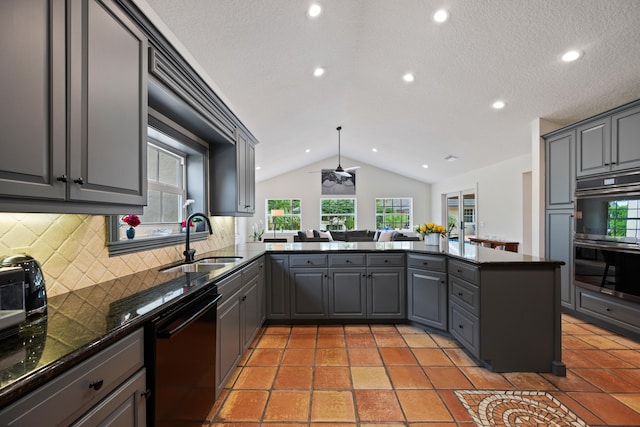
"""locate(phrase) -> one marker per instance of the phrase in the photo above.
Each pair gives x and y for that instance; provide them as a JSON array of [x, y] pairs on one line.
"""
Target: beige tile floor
[[370, 375]]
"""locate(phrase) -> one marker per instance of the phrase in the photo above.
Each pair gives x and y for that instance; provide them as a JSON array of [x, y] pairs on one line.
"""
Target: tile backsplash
[[73, 253]]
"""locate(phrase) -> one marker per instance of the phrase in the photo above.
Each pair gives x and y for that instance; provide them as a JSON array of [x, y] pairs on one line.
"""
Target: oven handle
[[207, 304]]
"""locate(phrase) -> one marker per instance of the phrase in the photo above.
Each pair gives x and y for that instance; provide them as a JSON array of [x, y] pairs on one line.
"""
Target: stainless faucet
[[189, 254]]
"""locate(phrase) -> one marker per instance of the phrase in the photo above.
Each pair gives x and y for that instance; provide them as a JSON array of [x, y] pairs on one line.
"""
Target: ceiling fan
[[340, 171]]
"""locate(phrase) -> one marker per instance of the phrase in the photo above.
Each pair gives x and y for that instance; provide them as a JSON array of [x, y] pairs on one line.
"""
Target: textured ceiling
[[261, 55]]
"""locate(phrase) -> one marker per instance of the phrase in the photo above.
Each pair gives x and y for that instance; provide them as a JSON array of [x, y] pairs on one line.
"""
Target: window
[[176, 168], [394, 213], [166, 193], [291, 219], [624, 218], [337, 214]]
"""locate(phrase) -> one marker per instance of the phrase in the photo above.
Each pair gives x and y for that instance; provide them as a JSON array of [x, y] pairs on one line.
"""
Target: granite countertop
[[82, 322]]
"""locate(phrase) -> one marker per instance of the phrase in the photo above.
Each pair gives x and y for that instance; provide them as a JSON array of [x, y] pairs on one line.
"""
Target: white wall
[[499, 197], [371, 182]]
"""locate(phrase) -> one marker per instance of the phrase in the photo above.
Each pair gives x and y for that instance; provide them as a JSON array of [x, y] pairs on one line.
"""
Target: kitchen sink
[[194, 267], [222, 259]]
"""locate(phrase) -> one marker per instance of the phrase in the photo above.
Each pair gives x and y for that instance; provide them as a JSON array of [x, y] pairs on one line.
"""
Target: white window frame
[[267, 214], [410, 221], [333, 227]]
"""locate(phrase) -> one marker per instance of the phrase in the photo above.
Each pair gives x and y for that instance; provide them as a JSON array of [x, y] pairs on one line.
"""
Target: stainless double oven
[[607, 235]]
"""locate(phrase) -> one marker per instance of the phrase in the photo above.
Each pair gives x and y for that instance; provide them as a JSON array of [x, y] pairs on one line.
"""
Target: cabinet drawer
[[308, 260], [68, 396], [252, 270], [229, 286], [464, 293], [427, 262], [465, 327], [385, 260], [463, 270], [610, 309], [346, 260]]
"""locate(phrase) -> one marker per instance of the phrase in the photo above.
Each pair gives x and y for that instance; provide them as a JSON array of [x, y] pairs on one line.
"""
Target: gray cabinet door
[[250, 304], [229, 348], [348, 293], [32, 89], [427, 298], [559, 229], [245, 170], [560, 165], [277, 287], [309, 293], [107, 57], [126, 406], [386, 294], [625, 139], [593, 147]]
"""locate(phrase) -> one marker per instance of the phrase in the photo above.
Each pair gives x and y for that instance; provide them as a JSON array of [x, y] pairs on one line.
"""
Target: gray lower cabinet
[[347, 286], [559, 247], [308, 284], [614, 311], [277, 287], [339, 286], [106, 389], [72, 114], [239, 318], [309, 293], [347, 293], [386, 286], [427, 290], [508, 316]]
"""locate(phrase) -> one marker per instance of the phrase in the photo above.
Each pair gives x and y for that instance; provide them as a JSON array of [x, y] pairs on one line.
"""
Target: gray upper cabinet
[[32, 87], [610, 143], [625, 137], [593, 147], [232, 169], [560, 165], [78, 111]]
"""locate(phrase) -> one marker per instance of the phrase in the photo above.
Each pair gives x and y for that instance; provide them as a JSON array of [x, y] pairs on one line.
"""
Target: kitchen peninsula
[[502, 307]]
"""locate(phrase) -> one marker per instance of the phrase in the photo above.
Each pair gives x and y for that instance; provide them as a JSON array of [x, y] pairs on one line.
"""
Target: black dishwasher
[[183, 380]]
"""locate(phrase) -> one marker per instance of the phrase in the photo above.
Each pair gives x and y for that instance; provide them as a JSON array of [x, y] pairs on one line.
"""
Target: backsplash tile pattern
[[73, 253]]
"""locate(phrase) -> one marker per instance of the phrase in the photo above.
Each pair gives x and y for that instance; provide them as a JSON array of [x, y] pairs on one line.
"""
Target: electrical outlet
[[481, 223]]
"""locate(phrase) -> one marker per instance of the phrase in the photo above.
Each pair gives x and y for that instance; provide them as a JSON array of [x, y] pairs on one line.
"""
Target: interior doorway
[[460, 213]]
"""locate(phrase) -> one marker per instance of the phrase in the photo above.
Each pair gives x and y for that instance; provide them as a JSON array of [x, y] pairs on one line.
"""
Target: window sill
[[123, 247]]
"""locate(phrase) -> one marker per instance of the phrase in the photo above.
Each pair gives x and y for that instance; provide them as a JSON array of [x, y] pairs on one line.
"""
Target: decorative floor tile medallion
[[517, 409]]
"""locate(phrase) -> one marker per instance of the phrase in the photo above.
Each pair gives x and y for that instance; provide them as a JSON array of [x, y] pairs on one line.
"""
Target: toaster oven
[[12, 302]]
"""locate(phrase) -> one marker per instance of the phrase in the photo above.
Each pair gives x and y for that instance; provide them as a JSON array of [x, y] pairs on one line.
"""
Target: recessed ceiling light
[[318, 72], [375, 150], [441, 16], [308, 150], [408, 77], [571, 55], [425, 166], [258, 168], [498, 105], [314, 10], [451, 158]]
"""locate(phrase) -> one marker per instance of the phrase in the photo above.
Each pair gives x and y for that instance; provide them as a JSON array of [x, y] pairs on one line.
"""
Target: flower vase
[[432, 239], [131, 233]]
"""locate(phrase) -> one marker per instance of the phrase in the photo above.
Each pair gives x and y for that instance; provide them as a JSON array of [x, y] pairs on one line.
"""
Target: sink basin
[[222, 259], [195, 267]]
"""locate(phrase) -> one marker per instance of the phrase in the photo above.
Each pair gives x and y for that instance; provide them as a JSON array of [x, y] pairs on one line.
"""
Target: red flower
[[131, 220], [184, 223]]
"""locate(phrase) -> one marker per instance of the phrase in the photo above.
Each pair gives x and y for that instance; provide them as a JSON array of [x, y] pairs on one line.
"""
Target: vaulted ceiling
[[261, 54]]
